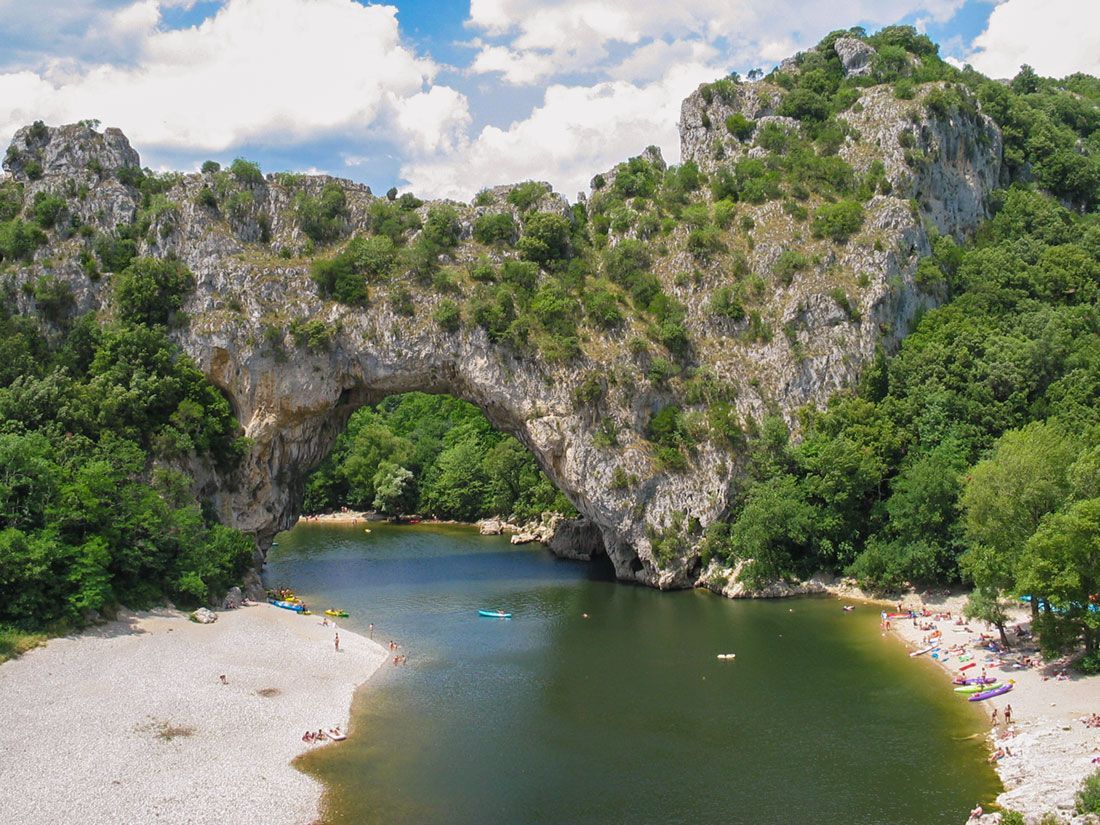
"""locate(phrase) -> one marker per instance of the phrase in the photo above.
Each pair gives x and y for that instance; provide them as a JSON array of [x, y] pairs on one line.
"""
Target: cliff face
[[293, 387]]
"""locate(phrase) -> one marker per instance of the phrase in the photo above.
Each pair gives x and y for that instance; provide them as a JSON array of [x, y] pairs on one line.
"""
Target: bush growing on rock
[[150, 291], [838, 221]]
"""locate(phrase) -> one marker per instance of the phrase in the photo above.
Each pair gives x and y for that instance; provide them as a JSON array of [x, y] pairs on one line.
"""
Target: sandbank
[[130, 723], [1052, 750]]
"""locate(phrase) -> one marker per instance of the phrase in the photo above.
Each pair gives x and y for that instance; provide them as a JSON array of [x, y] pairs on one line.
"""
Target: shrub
[[322, 219], [495, 228], [626, 261], [740, 126], [526, 195], [838, 221], [209, 167], [448, 315], [523, 275], [246, 172], [47, 209], [787, 264], [53, 297], [442, 227], [705, 242], [11, 200], [590, 390], [602, 306], [149, 291], [545, 238], [19, 239], [207, 198], [115, 254], [1088, 798], [726, 303], [483, 198], [402, 302]]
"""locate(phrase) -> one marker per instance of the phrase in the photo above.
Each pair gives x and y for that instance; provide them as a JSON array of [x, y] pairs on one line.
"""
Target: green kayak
[[976, 688]]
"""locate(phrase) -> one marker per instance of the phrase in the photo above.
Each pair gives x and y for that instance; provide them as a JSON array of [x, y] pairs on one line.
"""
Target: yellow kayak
[[339, 614]]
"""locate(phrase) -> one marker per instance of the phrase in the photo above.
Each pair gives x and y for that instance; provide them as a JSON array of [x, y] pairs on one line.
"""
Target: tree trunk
[[1004, 637]]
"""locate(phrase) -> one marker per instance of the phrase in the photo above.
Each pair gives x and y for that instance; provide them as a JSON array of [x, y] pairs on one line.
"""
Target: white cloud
[[543, 38], [576, 132], [259, 70], [1055, 37]]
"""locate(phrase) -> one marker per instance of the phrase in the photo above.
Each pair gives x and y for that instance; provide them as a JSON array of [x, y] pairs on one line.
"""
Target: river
[[625, 716]]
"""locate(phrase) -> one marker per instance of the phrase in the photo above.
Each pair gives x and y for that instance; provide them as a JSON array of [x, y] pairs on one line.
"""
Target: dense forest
[[431, 454], [95, 509], [972, 454]]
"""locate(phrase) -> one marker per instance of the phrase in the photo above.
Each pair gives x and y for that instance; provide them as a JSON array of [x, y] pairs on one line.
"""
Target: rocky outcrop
[[578, 539], [855, 56], [295, 366]]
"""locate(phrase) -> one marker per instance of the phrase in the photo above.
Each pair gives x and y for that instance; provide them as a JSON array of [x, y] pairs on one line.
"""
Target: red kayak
[[968, 666]]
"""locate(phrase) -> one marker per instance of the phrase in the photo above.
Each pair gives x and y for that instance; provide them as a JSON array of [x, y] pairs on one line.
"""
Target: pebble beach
[[130, 722], [1048, 749]]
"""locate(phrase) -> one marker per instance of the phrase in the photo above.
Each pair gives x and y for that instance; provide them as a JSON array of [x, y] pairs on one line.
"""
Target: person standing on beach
[[1008, 715], [993, 719], [337, 642]]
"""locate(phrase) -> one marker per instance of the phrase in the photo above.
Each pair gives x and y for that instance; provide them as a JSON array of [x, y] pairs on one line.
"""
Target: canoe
[[977, 688], [494, 614], [297, 608], [340, 614], [976, 680], [923, 650], [727, 655], [989, 694]]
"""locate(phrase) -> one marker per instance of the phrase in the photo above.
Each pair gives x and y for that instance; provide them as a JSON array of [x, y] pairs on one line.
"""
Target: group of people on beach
[[320, 736]]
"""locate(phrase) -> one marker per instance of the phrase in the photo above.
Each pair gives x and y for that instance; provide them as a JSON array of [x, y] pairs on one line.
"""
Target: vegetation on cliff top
[[902, 481]]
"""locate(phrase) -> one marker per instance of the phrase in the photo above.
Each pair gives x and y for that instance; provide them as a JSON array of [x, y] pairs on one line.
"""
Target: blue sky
[[447, 97]]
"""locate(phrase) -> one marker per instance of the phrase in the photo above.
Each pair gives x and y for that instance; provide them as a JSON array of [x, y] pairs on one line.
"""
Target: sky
[[446, 98]]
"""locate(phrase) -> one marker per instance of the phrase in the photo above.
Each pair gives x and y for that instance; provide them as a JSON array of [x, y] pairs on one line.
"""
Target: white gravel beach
[[130, 723], [1051, 750]]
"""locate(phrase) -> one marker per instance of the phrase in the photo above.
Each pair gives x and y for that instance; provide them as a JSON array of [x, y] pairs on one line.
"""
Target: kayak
[[923, 650], [494, 614], [989, 694], [727, 655], [977, 680], [297, 608], [340, 614], [977, 688], [967, 667]]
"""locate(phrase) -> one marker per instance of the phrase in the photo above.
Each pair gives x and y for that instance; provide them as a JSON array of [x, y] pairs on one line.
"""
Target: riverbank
[[1048, 751], [130, 723]]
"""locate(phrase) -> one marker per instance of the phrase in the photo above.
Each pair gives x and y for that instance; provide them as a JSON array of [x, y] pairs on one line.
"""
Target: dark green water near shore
[[627, 716]]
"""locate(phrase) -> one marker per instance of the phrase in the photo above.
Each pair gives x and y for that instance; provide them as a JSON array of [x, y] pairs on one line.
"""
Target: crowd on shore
[[1043, 740]]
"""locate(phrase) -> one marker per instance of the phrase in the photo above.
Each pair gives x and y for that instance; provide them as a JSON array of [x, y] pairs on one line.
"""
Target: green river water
[[626, 716]]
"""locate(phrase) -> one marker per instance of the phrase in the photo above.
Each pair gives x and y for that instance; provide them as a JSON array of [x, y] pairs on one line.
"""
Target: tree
[[395, 489], [1006, 497], [985, 606], [1061, 565]]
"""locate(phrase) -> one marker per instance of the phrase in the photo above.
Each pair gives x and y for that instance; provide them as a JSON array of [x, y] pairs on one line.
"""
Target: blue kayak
[[494, 614], [297, 608]]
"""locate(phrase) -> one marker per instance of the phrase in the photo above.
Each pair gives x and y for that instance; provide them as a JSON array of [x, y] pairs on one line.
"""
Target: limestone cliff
[[585, 418]]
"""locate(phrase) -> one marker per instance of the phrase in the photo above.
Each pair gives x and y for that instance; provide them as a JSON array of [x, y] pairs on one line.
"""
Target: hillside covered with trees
[[968, 453]]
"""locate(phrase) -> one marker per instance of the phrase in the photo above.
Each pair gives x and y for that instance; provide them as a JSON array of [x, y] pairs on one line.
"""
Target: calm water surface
[[627, 716]]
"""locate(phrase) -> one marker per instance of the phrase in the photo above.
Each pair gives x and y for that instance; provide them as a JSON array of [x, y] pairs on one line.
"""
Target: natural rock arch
[[295, 365]]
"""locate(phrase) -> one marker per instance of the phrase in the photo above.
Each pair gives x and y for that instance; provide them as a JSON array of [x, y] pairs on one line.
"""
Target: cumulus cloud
[[574, 133], [1055, 37], [529, 40], [257, 71]]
